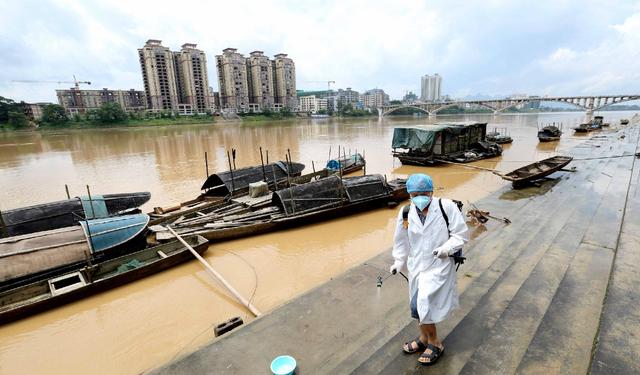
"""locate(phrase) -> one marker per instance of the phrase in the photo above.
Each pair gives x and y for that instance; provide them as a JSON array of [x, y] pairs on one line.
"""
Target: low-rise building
[[79, 101], [312, 104]]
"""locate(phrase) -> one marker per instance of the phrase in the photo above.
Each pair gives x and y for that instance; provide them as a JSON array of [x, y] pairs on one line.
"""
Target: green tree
[[111, 113], [18, 119], [7, 105], [54, 114]]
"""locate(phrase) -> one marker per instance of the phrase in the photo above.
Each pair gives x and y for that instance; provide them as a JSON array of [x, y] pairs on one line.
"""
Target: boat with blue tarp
[[69, 212], [346, 164], [38, 252]]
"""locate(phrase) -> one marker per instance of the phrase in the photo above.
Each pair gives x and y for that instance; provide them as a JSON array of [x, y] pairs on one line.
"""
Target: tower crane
[[327, 82], [75, 82]]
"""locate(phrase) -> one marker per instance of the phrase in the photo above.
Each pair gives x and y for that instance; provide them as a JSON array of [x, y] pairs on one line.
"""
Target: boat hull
[[65, 213], [535, 171], [18, 311]]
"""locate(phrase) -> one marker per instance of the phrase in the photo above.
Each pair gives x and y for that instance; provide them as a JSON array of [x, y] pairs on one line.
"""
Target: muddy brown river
[[149, 322]]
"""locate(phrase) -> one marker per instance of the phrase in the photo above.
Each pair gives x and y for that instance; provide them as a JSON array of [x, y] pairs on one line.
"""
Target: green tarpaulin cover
[[424, 137]]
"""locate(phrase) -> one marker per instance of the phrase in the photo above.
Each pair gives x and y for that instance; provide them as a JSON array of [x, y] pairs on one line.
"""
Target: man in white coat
[[422, 245]]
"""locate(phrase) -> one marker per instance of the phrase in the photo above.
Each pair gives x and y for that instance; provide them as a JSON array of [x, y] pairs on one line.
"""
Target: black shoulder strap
[[405, 212], [444, 215]]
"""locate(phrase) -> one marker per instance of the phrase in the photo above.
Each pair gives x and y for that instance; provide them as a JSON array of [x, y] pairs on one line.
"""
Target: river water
[[149, 322]]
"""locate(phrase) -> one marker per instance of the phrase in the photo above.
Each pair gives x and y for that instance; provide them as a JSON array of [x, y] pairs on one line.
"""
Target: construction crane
[[75, 82], [327, 82]]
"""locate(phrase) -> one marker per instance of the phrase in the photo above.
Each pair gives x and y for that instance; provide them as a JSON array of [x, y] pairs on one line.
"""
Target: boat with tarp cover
[[68, 212], [297, 205], [86, 279], [446, 142], [236, 182], [346, 164], [35, 253], [549, 133], [536, 171]]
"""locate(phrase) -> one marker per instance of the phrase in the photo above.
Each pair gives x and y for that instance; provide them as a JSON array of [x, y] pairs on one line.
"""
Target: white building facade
[[431, 88], [312, 104]]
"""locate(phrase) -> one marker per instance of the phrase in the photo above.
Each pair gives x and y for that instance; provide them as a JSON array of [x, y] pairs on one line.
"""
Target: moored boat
[[452, 142], [236, 182], [67, 213], [85, 280], [346, 164], [499, 137], [549, 133], [535, 171], [294, 206], [624, 121], [35, 253]]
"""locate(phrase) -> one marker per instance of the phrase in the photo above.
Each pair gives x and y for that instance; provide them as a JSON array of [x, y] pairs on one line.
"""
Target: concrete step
[[487, 256], [617, 347], [511, 336], [570, 325]]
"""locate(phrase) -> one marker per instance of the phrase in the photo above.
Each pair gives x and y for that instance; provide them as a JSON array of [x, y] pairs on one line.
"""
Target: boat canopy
[[329, 192], [456, 136], [107, 233], [334, 165], [221, 184]]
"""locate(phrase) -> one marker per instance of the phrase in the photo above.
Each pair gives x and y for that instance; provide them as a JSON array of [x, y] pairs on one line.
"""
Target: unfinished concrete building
[[285, 82], [232, 81], [159, 76], [260, 79], [80, 101], [192, 78]]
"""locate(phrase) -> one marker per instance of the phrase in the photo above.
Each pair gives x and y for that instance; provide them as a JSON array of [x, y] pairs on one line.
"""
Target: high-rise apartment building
[[159, 76], [192, 79], [431, 88], [260, 80], [285, 82], [374, 98], [232, 80], [348, 96]]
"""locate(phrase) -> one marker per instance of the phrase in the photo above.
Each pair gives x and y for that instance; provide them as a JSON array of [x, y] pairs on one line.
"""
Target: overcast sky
[[492, 47]]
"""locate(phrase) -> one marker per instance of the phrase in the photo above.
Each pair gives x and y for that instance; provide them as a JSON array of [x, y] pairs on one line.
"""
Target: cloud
[[492, 47]]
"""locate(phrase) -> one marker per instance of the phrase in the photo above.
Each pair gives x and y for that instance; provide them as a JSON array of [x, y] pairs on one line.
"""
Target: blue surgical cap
[[419, 182]]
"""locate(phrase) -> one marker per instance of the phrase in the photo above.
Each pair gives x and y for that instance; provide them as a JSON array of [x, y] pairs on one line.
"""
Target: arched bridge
[[588, 103]]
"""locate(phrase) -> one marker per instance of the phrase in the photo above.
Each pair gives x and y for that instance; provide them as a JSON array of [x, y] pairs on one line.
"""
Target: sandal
[[432, 357], [407, 347]]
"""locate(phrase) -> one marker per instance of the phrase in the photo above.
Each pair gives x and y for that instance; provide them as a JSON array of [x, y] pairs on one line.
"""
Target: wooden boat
[[236, 182], [498, 138], [348, 164], [212, 198], [453, 142], [298, 205], [34, 253], [624, 121], [67, 213], [535, 171], [549, 133], [85, 280]]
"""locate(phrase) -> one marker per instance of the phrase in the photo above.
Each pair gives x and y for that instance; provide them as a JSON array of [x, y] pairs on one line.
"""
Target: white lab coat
[[434, 278]]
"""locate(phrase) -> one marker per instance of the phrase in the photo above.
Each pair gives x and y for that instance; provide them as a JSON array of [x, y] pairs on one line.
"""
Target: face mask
[[421, 201]]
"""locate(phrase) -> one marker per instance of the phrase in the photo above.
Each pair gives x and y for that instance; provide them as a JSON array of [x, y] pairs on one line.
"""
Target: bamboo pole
[[233, 187], [93, 212], [233, 153], [264, 173], [267, 152], [3, 227], [497, 173], [206, 164], [224, 282], [66, 188]]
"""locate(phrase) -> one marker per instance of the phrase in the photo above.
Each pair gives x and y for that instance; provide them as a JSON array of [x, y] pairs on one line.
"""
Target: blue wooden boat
[[38, 252], [348, 164]]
